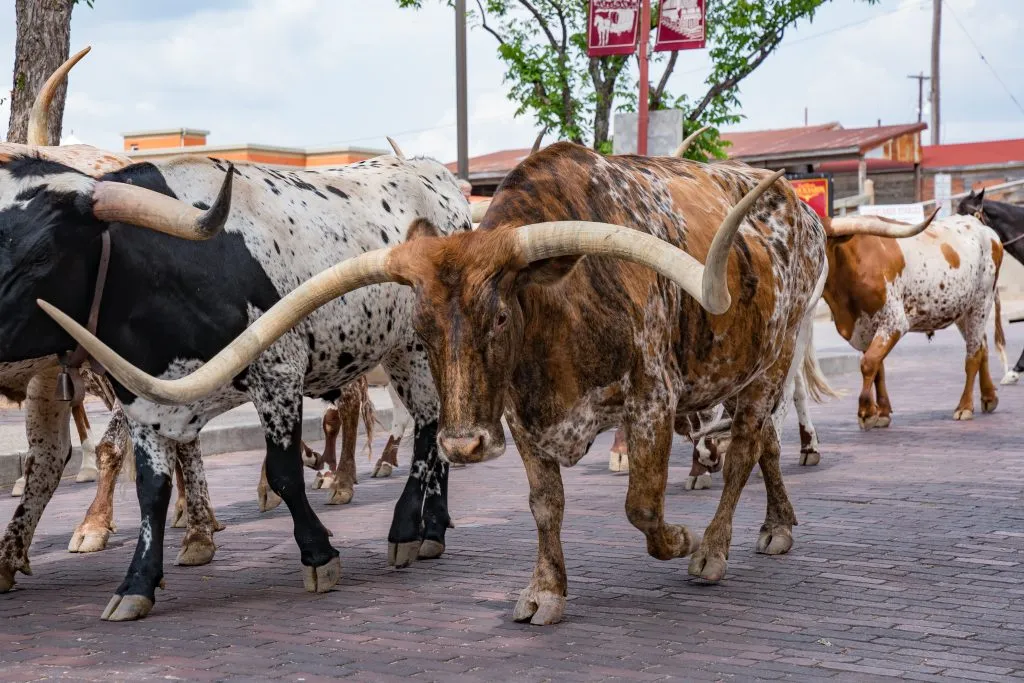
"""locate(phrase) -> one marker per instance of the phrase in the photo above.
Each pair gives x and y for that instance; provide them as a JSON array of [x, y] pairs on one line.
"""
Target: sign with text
[[815, 190], [612, 27], [908, 213], [681, 25]]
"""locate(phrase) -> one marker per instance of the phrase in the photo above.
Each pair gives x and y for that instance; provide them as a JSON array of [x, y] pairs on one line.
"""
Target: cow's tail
[[368, 412], [1000, 336], [817, 384]]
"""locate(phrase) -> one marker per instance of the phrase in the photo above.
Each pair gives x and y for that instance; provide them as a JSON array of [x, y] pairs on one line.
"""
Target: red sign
[[612, 27], [816, 193], [681, 25]]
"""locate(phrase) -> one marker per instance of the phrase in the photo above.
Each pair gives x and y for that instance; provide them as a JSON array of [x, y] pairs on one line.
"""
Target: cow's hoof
[[217, 526], [267, 499], [708, 565], [963, 414], [127, 608], [774, 541], [7, 579], [989, 405], [540, 608], [430, 550], [868, 422], [318, 481], [618, 462], [18, 488], [1011, 377], [382, 469], [810, 458], [322, 579], [401, 555], [196, 551], [698, 483], [86, 474], [179, 520], [340, 497], [88, 539], [883, 421]]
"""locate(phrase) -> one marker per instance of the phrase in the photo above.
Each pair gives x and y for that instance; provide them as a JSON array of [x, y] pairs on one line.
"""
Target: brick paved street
[[908, 561]]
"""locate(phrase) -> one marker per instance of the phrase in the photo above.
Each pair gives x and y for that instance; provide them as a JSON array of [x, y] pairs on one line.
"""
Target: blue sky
[[323, 72]]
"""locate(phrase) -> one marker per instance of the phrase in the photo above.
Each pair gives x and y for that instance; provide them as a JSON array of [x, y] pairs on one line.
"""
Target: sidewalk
[[240, 430]]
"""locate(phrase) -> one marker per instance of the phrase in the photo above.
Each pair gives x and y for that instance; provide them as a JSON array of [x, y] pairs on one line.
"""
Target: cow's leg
[[332, 425], [421, 517], [49, 445], [265, 496], [704, 451], [650, 441], [278, 401], [882, 398], [543, 601], [154, 461], [972, 327], [881, 345], [197, 547], [809, 454], [180, 518], [618, 458], [88, 471], [1013, 376], [751, 419], [92, 534], [989, 399], [401, 421], [776, 535], [343, 479]]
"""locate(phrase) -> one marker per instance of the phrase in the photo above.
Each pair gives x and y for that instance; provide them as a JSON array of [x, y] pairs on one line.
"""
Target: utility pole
[[461, 107], [921, 78], [936, 34], [645, 33]]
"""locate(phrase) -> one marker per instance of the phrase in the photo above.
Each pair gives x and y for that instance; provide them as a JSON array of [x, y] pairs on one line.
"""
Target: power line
[[982, 56]]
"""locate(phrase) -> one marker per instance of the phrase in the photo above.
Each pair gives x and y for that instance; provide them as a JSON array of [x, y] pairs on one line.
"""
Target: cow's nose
[[463, 449]]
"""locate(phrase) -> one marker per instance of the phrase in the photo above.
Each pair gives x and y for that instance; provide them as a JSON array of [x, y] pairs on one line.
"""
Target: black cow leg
[[436, 520], [321, 568], [1013, 376], [154, 463], [406, 534]]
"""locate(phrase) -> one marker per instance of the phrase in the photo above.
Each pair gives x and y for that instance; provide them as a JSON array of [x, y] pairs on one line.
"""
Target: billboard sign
[[815, 189], [681, 25], [612, 27]]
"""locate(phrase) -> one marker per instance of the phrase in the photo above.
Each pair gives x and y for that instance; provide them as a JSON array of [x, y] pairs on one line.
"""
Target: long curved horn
[[846, 226], [124, 203], [685, 144], [706, 283], [39, 117], [478, 209], [396, 148], [363, 270]]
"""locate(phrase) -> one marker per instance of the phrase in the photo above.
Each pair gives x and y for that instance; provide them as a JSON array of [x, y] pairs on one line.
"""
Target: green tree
[[543, 44]]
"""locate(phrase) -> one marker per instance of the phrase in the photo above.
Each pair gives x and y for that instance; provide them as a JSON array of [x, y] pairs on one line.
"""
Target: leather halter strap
[[980, 215], [72, 363]]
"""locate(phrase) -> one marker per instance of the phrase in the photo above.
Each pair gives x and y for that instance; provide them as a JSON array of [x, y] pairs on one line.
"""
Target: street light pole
[[461, 107]]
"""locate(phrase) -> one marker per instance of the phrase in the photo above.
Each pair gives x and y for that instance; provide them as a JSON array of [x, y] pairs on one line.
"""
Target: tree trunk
[[43, 44]]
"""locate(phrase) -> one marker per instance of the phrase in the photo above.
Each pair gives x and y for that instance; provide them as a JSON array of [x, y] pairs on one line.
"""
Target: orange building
[[149, 145]]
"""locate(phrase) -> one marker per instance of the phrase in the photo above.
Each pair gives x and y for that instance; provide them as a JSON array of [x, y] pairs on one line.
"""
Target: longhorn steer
[[879, 289], [517, 323], [1007, 220], [173, 303], [33, 378]]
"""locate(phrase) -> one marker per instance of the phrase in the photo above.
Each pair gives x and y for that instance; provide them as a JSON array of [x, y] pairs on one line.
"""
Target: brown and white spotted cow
[[694, 291], [879, 289]]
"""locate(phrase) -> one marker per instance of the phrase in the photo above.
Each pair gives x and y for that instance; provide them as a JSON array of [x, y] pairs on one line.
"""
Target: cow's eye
[[500, 320]]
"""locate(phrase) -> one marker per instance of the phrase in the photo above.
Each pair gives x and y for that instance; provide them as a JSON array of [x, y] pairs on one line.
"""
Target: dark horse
[[1008, 222]]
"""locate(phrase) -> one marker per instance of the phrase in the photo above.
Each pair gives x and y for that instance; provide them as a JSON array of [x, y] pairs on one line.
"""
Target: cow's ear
[[421, 227], [547, 271], [981, 197]]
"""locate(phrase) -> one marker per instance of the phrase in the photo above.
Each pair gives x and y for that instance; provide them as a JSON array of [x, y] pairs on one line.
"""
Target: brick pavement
[[908, 561]]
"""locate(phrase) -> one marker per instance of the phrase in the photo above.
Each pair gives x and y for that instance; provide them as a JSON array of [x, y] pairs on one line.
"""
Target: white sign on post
[[943, 194], [908, 213]]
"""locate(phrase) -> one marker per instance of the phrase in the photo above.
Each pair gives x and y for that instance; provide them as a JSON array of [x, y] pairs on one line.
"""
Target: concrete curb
[[248, 435], [215, 439]]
